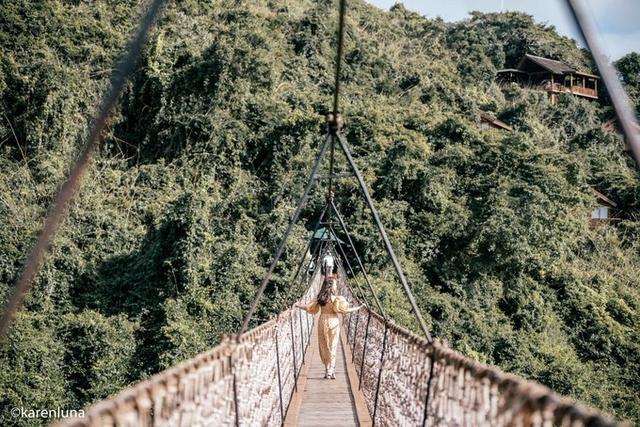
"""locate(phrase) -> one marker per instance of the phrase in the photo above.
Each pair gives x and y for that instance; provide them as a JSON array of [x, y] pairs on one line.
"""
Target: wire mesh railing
[[407, 381], [246, 380]]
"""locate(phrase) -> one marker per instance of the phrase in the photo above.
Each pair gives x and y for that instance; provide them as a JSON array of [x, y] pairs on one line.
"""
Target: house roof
[[604, 199], [488, 118], [582, 73], [556, 67]]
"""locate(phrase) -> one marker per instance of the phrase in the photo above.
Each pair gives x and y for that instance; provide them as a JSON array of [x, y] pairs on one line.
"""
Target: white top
[[327, 262]]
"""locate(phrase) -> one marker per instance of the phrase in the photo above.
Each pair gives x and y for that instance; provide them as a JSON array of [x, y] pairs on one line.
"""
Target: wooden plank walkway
[[327, 402]]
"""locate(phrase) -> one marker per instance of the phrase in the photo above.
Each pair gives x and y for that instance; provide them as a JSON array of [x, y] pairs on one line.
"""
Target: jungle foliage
[[209, 149]]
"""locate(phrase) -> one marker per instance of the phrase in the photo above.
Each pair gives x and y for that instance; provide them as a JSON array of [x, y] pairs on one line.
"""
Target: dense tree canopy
[[209, 149]]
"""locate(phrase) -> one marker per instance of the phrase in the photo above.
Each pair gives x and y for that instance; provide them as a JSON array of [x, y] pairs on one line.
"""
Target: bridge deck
[[327, 402]]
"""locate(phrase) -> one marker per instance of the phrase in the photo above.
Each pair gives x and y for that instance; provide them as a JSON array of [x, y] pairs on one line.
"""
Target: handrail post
[[293, 349], [384, 347], [234, 340], [364, 349], [306, 316], [301, 340], [432, 362], [355, 337], [279, 376]]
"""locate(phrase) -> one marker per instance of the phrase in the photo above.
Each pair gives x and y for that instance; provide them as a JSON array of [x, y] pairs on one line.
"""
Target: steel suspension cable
[[336, 90], [357, 256], [309, 242], [258, 296], [355, 279], [385, 238], [619, 99], [59, 209]]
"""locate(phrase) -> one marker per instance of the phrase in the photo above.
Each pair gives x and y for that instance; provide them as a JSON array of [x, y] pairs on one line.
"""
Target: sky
[[618, 21]]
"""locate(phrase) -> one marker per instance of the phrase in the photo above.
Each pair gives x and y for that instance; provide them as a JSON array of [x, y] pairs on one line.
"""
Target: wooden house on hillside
[[550, 75], [603, 212], [488, 122]]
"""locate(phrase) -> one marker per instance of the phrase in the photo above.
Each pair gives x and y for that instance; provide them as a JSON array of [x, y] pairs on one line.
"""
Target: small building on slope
[[603, 212], [488, 122], [550, 75]]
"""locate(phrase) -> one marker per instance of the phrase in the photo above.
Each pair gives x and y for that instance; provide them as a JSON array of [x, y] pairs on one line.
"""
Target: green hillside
[[209, 150]]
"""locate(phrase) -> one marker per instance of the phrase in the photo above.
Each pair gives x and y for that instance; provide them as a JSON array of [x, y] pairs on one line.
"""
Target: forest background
[[208, 151]]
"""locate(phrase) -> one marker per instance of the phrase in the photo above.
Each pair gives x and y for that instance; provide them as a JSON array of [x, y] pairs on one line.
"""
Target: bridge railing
[[246, 380], [407, 381]]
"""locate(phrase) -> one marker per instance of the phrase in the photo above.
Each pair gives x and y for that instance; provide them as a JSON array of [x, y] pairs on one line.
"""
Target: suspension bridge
[[387, 376], [272, 375]]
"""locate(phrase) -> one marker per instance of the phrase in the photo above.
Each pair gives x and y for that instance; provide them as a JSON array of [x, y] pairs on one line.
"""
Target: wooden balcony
[[574, 90], [554, 88]]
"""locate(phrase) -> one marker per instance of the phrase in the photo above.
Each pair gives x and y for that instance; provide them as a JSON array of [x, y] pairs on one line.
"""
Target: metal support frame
[[355, 297], [309, 242], [294, 219], [385, 238], [357, 256], [384, 348], [355, 279], [314, 255]]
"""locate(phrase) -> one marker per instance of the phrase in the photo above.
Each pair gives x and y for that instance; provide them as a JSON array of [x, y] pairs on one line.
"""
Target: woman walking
[[331, 306]]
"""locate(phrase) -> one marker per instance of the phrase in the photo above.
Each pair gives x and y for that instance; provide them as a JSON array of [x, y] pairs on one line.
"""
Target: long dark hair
[[324, 296]]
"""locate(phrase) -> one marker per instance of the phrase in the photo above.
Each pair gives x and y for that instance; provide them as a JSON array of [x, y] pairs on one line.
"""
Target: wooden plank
[[320, 401], [359, 403]]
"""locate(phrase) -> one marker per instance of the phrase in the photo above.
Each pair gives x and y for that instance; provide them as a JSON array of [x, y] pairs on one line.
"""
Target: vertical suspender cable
[[235, 382], [357, 256], [432, 361], [384, 347], [293, 350], [355, 338], [364, 348]]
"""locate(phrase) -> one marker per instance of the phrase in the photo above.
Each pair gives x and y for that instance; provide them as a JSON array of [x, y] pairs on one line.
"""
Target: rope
[[59, 210], [336, 92], [294, 219], [619, 98]]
